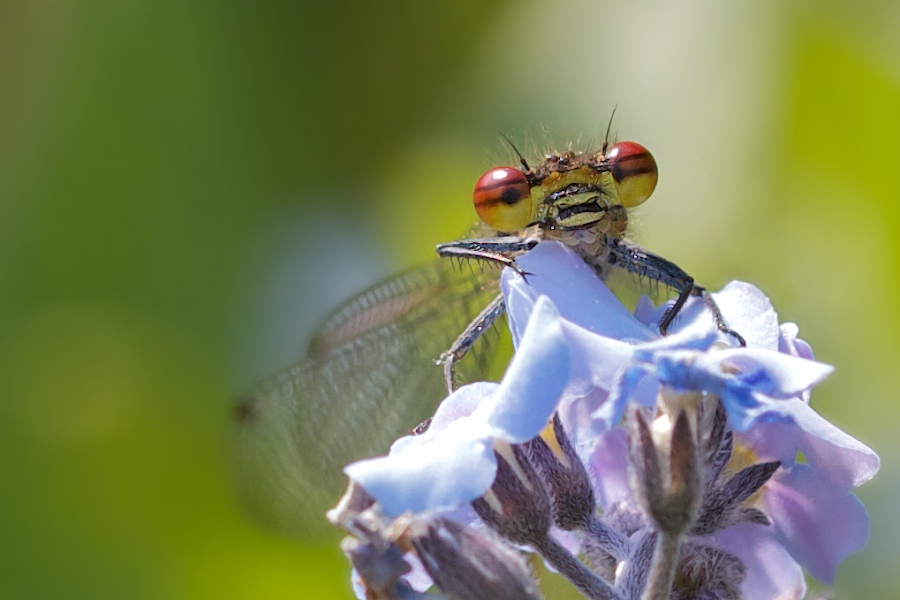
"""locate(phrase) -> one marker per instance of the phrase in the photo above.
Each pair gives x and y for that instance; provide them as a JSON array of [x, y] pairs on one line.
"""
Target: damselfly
[[369, 375]]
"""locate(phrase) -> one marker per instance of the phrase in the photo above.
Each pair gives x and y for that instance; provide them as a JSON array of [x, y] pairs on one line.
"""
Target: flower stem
[[606, 538], [662, 570], [589, 584]]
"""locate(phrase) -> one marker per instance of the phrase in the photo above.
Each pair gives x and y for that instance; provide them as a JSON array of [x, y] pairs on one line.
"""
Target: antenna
[[608, 129], [516, 150]]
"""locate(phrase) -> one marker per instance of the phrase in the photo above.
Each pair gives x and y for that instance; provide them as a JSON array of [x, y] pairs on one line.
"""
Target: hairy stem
[[662, 569], [589, 584], [606, 538]]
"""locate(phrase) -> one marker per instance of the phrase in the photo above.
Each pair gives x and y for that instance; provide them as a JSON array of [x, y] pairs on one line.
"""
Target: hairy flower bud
[[471, 564], [667, 484], [574, 504], [518, 505]]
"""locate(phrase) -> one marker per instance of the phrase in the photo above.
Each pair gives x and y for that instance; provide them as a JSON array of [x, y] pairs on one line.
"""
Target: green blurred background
[[185, 187]]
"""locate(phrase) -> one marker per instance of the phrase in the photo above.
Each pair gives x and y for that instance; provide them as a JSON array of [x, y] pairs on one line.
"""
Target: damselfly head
[[566, 191]]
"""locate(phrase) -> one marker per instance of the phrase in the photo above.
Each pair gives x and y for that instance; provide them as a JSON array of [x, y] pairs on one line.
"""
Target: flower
[[765, 388], [771, 480]]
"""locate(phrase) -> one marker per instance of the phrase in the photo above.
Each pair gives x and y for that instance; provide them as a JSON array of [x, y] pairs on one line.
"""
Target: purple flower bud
[[667, 484], [470, 564], [518, 505], [572, 493]]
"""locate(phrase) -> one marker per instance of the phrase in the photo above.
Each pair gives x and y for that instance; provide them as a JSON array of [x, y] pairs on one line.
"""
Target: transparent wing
[[369, 377]]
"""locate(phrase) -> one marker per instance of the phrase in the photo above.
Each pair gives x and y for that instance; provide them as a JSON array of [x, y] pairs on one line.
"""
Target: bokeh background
[[186, 187]]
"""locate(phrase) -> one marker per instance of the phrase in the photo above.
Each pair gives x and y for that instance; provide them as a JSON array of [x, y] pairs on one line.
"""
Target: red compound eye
[[634, 170], [503, 199]]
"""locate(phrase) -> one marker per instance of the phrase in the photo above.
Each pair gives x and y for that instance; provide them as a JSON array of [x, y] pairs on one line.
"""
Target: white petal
[[461, 403], [534, 381], [579, 295], [845, 460], [792, 375], [453, 468], [749, 312]]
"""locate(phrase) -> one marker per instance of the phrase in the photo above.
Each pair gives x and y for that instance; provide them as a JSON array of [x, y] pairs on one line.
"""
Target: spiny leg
[[701, 291], [485, 319], [499, 250], [635, 259], [493, 311]]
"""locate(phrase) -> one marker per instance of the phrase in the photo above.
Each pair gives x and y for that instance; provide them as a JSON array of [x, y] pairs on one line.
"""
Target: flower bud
[[470, 564]]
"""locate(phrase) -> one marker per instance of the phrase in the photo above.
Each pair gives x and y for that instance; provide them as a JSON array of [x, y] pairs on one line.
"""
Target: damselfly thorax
[[369, 375]]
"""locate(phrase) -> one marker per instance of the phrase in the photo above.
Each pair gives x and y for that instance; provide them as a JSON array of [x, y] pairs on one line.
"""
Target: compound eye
[[634, 170], [503, 199]]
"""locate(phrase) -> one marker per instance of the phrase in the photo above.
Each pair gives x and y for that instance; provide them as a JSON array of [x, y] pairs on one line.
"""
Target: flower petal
[[749, 312], [461, 403], [608, 465], [789, 343], [771, 572], [534, 381], [455, 466], [843, 459], [769, 372], [597, 360], [634, 384], [580, 296], [819, 523]]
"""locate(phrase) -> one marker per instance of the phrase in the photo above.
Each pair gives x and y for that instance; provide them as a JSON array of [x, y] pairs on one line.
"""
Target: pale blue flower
[[618, 358], [580, 352]]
